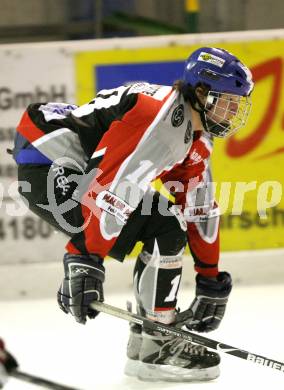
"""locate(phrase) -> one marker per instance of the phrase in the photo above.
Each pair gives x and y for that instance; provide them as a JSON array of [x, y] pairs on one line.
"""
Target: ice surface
[[50, 344]]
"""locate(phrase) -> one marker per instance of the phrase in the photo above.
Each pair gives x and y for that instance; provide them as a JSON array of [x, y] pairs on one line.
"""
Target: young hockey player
[[89, 170]]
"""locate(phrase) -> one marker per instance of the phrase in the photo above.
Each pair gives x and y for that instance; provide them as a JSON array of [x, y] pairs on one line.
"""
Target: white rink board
[[29, 239], [46, 71], [41, 280], [28, 74]]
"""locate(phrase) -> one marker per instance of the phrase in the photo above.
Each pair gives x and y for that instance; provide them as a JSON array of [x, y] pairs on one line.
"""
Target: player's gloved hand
[[209, 305], [7, 364], [83, 284]]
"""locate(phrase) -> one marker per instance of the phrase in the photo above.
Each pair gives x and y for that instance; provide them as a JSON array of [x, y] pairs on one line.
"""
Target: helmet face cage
[[229, 83], [226, 113]]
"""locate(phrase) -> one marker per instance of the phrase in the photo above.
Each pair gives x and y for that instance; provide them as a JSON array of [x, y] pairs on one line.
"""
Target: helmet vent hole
[[238, 74], [209, 75]]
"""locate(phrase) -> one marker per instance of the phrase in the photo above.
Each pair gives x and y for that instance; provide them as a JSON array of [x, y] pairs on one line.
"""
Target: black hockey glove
[[208, 307], [83, 284]]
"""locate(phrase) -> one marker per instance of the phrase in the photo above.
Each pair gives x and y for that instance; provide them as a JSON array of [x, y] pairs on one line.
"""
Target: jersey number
[[175, 283]]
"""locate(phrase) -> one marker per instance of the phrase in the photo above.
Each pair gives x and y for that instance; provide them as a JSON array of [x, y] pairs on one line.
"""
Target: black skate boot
[[173, 359]]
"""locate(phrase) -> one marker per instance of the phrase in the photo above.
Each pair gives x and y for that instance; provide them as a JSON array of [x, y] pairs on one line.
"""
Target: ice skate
[[154, 357], [172, 359], [133, 350]]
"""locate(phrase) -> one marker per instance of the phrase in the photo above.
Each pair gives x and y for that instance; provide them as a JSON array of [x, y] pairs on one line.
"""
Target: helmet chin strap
[[216, 129], [199, 107], [213, 128], [203, 120], [190, 94], [209, 126]]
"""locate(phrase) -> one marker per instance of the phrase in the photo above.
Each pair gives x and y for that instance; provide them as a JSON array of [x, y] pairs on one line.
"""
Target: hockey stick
[[187, 335], [36, 380]]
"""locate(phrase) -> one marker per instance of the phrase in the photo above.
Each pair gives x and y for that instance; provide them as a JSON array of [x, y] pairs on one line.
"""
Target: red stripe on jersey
[[207, 253], [186, 177], [28, 129], [207, 272], [72, 249]]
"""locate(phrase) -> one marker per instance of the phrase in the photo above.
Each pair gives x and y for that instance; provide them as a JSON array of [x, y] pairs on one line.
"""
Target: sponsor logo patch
[[178, 116], [211, 59], [188, 133], [195, 157], [145, 88], [114, 205], [60, 179]]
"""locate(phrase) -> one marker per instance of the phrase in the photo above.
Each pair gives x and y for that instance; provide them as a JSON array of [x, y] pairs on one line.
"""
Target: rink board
[[42, 280]]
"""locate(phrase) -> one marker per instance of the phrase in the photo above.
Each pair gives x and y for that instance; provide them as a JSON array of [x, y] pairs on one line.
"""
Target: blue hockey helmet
[[226, 79], [220, 70]]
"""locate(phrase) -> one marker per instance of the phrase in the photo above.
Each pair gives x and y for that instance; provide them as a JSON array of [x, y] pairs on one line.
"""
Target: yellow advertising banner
[[248, 168], [253, 159]]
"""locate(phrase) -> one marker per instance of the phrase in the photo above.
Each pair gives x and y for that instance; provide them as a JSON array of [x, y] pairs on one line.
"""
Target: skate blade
[[132, 367], [155, 372]]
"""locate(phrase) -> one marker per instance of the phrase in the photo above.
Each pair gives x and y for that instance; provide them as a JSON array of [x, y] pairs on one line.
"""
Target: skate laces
[[177, 346]]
